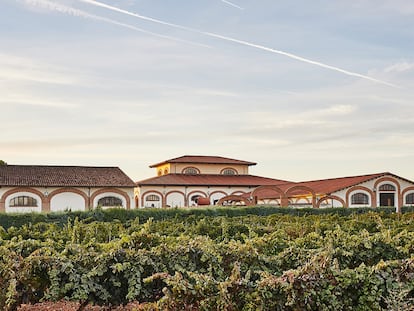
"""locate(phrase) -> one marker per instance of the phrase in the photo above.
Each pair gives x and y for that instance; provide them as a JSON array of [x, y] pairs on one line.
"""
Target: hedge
[[8, 220]]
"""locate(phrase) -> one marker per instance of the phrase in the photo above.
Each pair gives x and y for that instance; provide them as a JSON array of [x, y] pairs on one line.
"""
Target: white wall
[[156, 204], [67, 201], [175, 199], [209, 168]]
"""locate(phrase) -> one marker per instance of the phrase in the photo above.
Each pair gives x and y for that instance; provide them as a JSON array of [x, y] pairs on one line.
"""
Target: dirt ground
[[76, 306]]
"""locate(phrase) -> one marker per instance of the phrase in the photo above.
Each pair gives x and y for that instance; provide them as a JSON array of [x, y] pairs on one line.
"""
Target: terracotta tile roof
[[196, 159], [209, 180], [63, 176], [328, 186]]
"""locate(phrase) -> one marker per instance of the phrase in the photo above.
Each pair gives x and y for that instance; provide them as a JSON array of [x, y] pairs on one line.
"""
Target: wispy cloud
[[241, 42], [52, 6], [232, 4], [400, 67], [15, 68], [337, 110], [31, 101]]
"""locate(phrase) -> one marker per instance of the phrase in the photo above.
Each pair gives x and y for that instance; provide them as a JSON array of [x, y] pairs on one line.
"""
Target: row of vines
[[275, 262]]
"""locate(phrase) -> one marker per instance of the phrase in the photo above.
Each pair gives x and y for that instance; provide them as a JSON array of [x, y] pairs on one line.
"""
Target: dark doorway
[[387, 199]]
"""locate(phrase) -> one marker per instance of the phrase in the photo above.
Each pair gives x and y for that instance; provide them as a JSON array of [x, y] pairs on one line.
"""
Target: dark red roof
[[63, 176], [195, 159], [209, 180]]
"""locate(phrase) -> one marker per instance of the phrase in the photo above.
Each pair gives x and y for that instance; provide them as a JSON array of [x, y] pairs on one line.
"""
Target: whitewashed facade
[[197, 180], [205, 183], [60, 188]]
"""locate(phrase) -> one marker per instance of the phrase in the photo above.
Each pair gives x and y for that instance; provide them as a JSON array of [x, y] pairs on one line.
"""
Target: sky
[[307, 89]]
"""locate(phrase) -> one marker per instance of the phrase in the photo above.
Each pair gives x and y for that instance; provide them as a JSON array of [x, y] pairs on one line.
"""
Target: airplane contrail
[[232, 4], [79, 13], [261, 47]]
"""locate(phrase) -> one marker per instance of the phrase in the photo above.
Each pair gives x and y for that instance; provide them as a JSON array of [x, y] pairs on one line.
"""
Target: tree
[[2, 162]]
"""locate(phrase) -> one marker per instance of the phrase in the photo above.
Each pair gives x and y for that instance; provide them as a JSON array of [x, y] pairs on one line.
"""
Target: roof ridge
[[204, 159], [346, 177]]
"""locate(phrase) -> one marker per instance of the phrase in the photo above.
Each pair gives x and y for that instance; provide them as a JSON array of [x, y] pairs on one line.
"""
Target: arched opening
[[228, 171], [409, 199], [68, 199], [110, 201], [265, 194], [301, 193], [192, 197], [41, 201], [111, 192], [175, 199], [233, 200], [153, 200], [215, 196], [408, 196], [23, 201], [330, 201], [386, 193], [359, 198], [191, 171]]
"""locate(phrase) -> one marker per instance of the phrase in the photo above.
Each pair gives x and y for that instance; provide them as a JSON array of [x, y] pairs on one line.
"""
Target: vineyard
[[237, 259]]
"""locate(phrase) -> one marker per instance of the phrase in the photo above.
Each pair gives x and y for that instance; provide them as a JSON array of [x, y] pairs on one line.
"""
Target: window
[[159, 172], [166, 171], [229, 171], [191, 171], [153, 197], [23, 201], [110, 201], [359, 198], [386, 187], [409, 199]]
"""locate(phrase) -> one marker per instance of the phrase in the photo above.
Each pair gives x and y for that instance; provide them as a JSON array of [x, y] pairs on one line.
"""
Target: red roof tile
[[63, 176], [327, 186], [209, 180], [195, 159]]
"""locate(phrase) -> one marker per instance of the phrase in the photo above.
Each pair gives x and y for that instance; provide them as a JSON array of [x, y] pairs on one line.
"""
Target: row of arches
[[178, 198], [386, 191], [273, 195], [295, 195], [31, 199]]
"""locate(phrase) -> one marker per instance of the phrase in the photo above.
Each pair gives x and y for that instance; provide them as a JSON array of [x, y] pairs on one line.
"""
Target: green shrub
[[258, 258]]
